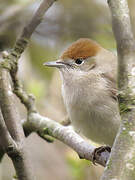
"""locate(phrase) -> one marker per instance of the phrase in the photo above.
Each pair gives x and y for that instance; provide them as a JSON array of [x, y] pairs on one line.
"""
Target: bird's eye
[[78, 61]]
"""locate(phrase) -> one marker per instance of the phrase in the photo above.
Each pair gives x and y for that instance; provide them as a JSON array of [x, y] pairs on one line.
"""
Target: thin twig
[[12, 120], [19, 48], [44, 125], [7, 103]]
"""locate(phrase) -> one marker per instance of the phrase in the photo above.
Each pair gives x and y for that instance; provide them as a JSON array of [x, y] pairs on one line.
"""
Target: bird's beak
[[58, 64]]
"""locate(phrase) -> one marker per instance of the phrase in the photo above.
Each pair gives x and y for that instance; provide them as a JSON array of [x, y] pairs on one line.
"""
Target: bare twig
[[121, 165], [10, 113], [18, 49], [22, 41], [12, 120], [6, 141], [8, 145], [44, 125]]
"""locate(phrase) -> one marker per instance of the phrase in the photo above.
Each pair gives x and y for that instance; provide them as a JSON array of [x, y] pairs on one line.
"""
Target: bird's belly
[[99, 124]]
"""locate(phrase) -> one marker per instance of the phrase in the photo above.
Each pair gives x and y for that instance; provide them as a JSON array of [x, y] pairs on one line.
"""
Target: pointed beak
[[57, 64]]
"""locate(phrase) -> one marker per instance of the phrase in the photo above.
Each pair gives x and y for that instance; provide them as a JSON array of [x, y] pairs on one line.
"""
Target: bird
[[89, 89]]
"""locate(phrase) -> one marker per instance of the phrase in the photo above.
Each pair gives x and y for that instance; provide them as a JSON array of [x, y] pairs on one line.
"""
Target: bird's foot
[[98, 151]]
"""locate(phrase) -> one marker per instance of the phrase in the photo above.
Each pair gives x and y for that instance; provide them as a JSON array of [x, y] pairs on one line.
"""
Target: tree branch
[[19, 48], [10, 113], [44, 125], [121, 165], [12, 120], [6, 140], [22, 41]]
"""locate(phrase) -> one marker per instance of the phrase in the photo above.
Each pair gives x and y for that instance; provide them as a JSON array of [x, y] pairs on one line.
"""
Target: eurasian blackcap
[[88, 73]]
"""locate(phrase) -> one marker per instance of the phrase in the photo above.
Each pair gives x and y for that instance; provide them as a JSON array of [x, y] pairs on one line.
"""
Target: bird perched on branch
[[88, 73]]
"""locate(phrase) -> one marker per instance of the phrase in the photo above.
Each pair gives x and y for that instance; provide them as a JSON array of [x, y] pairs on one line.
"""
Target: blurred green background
[[65, 22]]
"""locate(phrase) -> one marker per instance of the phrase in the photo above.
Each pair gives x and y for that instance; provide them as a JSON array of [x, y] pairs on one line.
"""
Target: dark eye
[[78, 61]]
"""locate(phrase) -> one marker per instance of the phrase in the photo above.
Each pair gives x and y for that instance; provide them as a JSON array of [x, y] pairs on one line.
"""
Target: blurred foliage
[[40, 54], [36, 87], [70, 20], [77, 167]]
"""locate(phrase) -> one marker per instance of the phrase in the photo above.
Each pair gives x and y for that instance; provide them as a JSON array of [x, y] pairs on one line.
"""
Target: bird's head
[[81, 56]]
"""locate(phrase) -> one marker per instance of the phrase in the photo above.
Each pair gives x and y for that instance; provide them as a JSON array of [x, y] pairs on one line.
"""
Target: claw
[[97, 152]]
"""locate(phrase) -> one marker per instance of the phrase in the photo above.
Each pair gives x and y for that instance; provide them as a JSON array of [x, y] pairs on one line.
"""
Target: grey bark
[[121, 165], [12, 136]]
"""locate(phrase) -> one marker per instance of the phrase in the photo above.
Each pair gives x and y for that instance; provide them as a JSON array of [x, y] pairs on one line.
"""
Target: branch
[[6, 141], [121, 165], [43, 125], [9, 146], [19, 48], [22, 41], [12, 120], [9, 111]]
